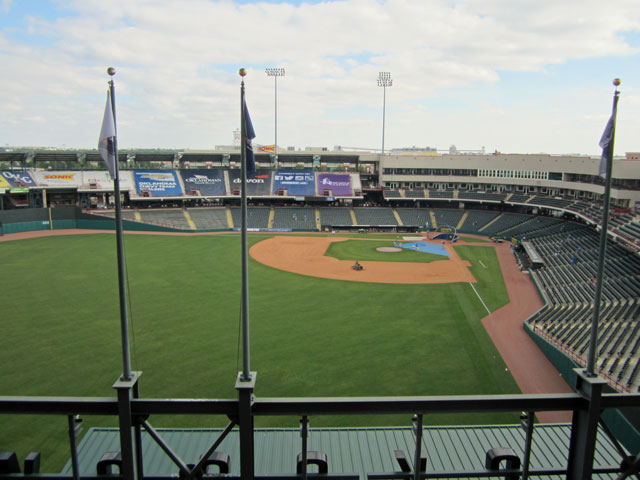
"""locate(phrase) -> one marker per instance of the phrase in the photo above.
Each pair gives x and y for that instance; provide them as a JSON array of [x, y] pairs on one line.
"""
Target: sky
[[515, 76]]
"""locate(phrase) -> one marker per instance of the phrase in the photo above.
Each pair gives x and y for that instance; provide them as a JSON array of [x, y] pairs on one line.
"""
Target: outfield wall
[[61, 218]]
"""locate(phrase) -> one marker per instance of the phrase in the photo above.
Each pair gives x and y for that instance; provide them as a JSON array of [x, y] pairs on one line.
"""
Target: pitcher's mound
[[389, 249]]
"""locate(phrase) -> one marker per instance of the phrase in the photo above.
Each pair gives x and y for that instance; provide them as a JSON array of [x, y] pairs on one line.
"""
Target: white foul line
[[480, 298], [482, 264]]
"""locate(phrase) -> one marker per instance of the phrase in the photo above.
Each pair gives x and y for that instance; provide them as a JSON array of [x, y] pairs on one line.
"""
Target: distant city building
[[414, 149]]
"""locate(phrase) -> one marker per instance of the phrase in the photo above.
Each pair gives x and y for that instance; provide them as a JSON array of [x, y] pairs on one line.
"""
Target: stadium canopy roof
[[13, 156]]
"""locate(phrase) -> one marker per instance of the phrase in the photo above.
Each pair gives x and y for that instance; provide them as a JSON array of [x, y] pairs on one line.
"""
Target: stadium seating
[[448, 217], [375, 216], [413, 216], [129, 215], [570, 288], [504, 222], [491, 197], [476, 219], [335, 216], [440, 193], [167, 217], [295, 218], [518, 198], [209, 218], [257, 217]]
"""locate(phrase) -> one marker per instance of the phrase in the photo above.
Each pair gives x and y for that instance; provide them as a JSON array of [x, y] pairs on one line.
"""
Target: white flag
[[107, 142]]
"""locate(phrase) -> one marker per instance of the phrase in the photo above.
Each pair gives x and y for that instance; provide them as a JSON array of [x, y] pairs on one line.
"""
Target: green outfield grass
[[473, 239], [309, 336], [366, 250]]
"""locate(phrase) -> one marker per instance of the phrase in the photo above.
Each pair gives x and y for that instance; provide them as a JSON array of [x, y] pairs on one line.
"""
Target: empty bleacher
[[166, 217], [392, 193], [129, 215], [335, 216], [570, 288], [413, 216], [448, 217], [440, 193], [476, 219], [482, 196], [257, 217], [505, 222], [295, 218], [209, 218], [375, 216], [414, 193], [519, 198]]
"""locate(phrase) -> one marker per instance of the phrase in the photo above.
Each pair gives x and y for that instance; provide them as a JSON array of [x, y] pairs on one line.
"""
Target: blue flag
[[248, 147], [606, 143]]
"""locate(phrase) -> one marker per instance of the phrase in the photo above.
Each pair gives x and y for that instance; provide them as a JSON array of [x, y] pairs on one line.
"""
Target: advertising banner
[[57, 179], [207, 182], [296, 182], [258, 184], [101, 180], [18, 179], [158, 183], [338, 183], [4, 183]]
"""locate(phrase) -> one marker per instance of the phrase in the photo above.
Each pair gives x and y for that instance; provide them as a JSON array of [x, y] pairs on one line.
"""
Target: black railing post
[[304, 434], [125, 389], [417, 460], [245, 419], [584, 427], [74, 447], [138, 436]]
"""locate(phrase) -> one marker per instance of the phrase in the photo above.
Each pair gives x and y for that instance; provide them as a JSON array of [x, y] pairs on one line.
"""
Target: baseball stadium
[[412, 316]]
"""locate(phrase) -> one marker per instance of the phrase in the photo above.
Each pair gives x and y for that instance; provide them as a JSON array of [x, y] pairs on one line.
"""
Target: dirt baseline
[[305, 255]]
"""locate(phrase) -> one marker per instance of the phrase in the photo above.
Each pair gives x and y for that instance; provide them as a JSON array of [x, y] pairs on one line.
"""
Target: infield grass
[[309, 336], [366, 250]]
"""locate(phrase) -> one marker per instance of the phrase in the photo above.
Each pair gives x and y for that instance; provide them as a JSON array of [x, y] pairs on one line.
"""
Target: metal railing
[[134, 413]]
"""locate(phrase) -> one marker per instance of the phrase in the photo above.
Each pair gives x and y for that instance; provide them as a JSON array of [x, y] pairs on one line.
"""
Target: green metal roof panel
[[351, 450]]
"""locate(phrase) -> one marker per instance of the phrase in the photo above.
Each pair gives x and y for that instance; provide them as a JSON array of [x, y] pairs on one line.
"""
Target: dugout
[[535, 260]]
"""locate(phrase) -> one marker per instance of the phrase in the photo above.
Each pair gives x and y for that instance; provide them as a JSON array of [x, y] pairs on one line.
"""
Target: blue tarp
[[435, 248]]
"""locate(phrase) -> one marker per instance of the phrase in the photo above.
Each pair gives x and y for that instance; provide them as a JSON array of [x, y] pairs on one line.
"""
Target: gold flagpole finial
[[242, 72], [616, 82], [111, 71]]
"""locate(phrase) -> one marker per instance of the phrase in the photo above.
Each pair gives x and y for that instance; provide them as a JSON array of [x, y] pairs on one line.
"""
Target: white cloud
[[5, 6], [177, 61]]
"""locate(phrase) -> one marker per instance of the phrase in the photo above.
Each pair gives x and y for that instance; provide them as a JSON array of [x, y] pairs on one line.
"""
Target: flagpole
[[591, 359], [124, 314], [246, 371]]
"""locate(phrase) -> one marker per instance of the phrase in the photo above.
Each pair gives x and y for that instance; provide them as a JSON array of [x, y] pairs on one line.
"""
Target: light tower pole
[[275, 73], [384, 81]]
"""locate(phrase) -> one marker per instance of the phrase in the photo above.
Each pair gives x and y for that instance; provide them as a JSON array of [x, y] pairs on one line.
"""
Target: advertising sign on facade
[[101, 180], [338, 183], [18, 179], [295, 182], [206, 182], [157, 183], [58, 179], [258, 184]]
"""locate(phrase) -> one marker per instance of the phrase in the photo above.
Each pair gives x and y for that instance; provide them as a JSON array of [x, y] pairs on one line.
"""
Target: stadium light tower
[[384, 81], [275, 73]]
